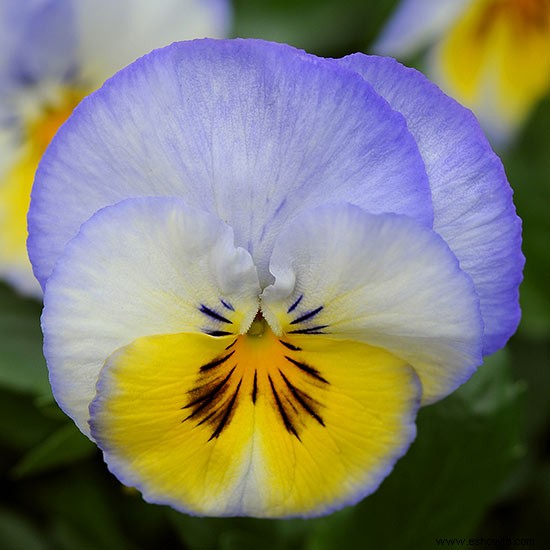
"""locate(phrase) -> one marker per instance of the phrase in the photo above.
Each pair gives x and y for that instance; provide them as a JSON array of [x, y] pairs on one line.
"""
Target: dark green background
[[479, 466]]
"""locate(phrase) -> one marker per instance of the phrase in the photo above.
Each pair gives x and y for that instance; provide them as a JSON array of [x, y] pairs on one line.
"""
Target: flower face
[[492, 55], [53, 53], [258, 263]]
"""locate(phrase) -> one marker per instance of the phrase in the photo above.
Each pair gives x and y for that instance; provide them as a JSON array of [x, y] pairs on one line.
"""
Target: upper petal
[[141, 267], [249, 130], [380, 279], [472, 200]]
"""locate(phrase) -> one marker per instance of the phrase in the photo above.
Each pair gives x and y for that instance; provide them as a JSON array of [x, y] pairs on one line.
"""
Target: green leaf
[[80, 505], [22, 424], [65, 446], [18, 533], [527, 167], [315, 25], [22, 364]]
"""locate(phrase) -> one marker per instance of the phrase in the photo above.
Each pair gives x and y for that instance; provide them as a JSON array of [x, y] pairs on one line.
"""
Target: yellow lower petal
[[255, 425]]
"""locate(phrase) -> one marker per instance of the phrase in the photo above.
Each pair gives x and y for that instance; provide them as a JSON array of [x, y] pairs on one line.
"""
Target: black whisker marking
[[290, 346], [227, 414], [216, 362], [217, 332], [232, 344], [307, 369], [255, 387], [311, 330], [306, 316], [227, 305], [295, 304], [298, 396], [214, 314], [208, 397], [286, 421]]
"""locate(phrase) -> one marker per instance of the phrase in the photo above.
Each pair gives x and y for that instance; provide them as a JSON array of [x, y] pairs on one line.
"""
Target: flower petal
[[254, 425], [495, 60], [292, 131], [142, 267], [15, 193], [473, 208], [379, 279], [103, 49], [37, 40], [415, 24]]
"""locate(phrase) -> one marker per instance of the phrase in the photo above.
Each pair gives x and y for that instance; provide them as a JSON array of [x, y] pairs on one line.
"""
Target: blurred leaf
[[18, 533], [324, 27], [22, 365], [80, 507], [64, 446], [528, 169], [22, 424], [226, 533]]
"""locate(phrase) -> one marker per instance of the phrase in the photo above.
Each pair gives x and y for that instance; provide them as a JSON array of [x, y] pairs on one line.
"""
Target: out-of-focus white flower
[[52, 54], [491, 55]]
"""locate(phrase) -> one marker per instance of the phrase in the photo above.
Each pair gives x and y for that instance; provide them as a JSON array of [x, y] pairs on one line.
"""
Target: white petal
[[139, 268], [379, 279]]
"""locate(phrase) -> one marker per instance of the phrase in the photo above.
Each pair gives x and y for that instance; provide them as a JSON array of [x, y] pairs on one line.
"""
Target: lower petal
[[253, 425]]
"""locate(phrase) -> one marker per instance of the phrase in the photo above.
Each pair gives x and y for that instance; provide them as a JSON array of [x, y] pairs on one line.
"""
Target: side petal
[[291, 132], [379, 279], [415, 24], [248, 426], [473, 208], [103, 49], [142, 267]]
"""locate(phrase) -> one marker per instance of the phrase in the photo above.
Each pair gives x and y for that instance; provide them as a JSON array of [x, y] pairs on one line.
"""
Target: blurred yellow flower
[[491, 55]]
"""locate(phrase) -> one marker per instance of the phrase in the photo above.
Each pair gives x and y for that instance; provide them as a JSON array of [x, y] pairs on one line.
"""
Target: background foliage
[[479, 466]]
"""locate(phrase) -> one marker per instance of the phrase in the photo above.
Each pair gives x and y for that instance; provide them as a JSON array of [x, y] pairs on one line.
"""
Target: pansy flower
[[258, 263], [491, 55], [53, 53]]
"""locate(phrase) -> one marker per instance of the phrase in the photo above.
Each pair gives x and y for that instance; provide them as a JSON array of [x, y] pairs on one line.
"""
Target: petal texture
[[141, 267], [473, 208], [255, 425], [379, 279], [292, 131]]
